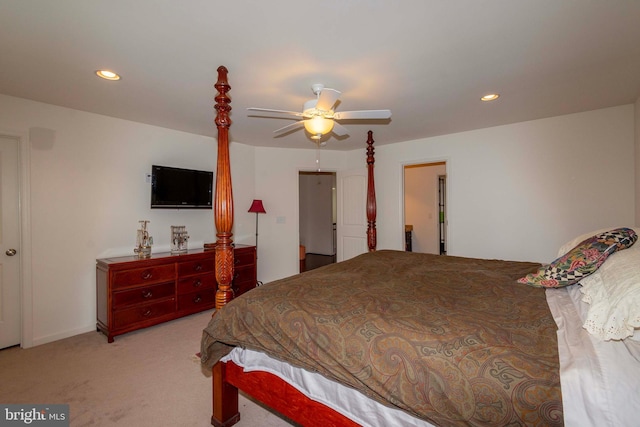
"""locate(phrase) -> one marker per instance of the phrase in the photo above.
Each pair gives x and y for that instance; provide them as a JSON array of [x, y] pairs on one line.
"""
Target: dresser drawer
[[197, 300], [129, 316], [244, 273], [242, 287], [196, 283], [195, 267], [244, 257], [142, 295], [138, 276]]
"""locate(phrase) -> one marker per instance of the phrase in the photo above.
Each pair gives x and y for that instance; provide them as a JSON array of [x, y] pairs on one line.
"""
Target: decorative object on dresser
[[143, 240], [134, 293], [179, 238], [257, 208]]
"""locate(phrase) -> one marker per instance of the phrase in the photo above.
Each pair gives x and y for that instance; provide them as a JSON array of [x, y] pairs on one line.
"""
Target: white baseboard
[[62, 335]]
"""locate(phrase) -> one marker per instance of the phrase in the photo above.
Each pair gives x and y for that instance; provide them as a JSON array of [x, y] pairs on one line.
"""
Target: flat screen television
[[181, 188]]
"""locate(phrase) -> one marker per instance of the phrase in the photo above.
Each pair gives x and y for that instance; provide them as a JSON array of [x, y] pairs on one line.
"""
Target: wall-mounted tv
[[181, 188]]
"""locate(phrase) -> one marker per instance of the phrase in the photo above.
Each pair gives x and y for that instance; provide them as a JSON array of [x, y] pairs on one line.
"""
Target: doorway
[[425, 207], [317, 219], [10, 303]]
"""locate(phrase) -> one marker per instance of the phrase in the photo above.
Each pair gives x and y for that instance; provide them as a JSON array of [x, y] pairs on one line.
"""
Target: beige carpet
[[149, 377]]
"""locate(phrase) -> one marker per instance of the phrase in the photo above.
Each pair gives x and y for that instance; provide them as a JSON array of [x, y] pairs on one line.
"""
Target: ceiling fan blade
[[339, 130], [327, 99], [363, 114], [288, 128], [270, 110]]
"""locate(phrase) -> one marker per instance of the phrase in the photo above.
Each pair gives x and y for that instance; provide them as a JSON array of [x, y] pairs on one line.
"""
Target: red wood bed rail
[[271, 391], [228, 377]]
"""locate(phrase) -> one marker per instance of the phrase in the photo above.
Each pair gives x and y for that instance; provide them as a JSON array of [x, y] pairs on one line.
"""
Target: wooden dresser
[[134, 293]]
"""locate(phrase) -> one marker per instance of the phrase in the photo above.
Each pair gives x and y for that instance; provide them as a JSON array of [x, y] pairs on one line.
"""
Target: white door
[[9, 243], [352, 214]]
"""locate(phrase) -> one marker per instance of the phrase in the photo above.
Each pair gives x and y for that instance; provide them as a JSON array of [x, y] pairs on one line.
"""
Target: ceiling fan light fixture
[[318, 116], [490, 97], [318, 126], [107, 75]]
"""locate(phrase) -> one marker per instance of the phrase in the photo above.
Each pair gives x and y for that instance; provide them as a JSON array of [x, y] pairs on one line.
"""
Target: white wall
[[87, 193], [519, 191], [276, 171]]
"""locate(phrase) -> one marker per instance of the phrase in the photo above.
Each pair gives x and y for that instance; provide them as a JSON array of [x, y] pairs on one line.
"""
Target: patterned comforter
[[454, 341]]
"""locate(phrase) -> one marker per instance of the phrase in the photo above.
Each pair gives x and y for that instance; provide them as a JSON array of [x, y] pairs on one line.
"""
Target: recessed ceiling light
[[108, 75], [490, 97]]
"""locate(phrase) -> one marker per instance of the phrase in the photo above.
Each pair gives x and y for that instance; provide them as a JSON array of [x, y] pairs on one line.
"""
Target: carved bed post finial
[[371, 196], [223, 205]]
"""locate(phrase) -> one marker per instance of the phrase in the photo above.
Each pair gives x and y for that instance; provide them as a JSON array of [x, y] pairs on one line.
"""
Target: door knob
[[11, 252]]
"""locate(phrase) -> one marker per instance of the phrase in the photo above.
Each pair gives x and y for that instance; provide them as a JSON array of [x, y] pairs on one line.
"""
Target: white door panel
[[352, 214], [9, 243]]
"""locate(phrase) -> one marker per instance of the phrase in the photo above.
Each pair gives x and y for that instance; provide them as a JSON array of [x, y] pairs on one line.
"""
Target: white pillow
[[613, 294]]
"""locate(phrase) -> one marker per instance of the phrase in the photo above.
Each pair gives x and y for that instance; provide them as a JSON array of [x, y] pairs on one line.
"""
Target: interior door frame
[[447, 161], [24, 217], [308, 170]]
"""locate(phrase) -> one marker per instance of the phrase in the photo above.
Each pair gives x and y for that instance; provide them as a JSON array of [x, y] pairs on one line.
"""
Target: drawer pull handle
[[197, 267], [146, 275], [147, 294], [197, 299], [236, 261], [147, 313], [197, 283], [235, 276]]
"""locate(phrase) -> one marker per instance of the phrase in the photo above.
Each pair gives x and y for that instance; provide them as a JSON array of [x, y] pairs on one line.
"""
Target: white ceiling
[[429, 61]]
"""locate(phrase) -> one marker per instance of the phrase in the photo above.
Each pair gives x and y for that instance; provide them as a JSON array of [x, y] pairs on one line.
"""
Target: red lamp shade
[[256, 207]]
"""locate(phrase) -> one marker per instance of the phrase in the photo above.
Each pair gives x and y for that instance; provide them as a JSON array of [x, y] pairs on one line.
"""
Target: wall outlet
[[281, 220]]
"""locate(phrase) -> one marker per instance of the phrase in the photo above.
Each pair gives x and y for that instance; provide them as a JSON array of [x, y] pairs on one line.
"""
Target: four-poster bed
[[228, 377], [414, 339]]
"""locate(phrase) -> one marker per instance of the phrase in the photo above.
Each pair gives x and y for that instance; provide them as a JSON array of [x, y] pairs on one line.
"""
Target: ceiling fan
[[318, 116]]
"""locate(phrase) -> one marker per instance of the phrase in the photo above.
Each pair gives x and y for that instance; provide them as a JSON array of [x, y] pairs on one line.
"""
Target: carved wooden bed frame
[[228, 377]]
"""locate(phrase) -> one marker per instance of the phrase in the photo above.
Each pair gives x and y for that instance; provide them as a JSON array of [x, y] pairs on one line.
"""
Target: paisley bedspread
[[454, 341]]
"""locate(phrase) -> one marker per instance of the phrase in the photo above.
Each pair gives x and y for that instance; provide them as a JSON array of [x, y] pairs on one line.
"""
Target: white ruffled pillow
[[613, 294]]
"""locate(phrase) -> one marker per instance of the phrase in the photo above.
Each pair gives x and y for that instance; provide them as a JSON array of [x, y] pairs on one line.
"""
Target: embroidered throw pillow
[[582, 260]]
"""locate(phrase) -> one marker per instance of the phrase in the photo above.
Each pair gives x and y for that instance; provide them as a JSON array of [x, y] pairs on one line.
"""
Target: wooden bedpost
[[223, 205], [225, 396], [371, 196]]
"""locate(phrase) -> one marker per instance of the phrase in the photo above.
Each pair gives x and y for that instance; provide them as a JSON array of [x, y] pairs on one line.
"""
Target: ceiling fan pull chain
[[318, 155]]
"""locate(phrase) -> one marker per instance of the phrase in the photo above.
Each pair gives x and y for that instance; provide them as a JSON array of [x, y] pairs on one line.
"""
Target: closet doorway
[[317, 219], [425, 207]]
